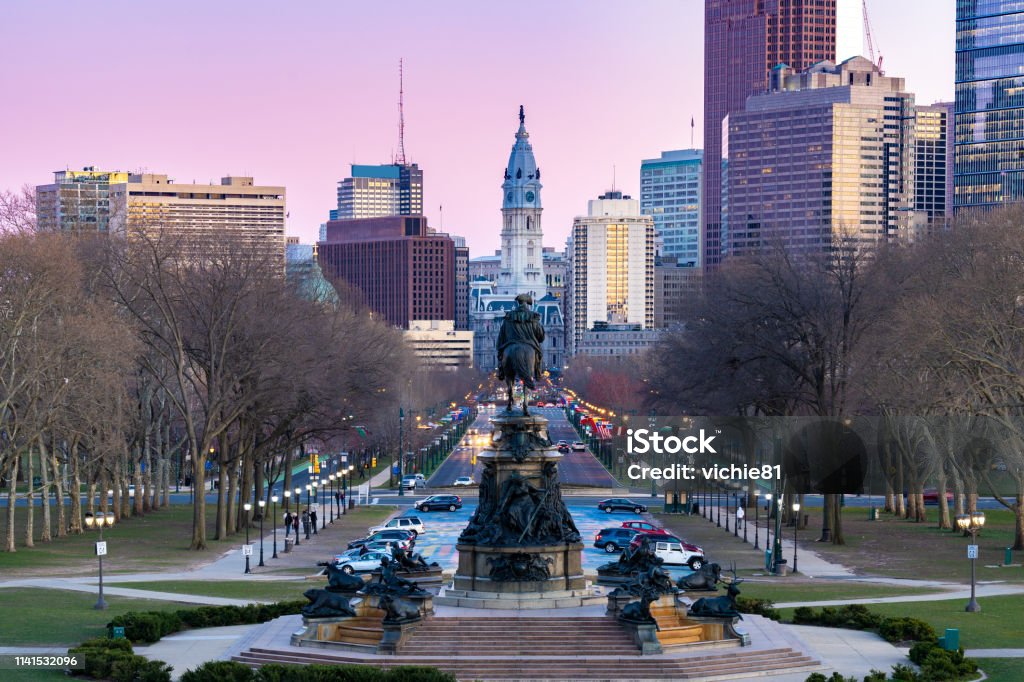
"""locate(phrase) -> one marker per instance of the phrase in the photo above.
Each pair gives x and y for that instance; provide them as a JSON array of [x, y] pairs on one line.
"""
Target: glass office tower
[[989, 148]]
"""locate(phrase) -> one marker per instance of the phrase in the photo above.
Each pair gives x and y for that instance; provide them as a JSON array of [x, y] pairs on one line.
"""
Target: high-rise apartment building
[[827, 154], [743, 41], [377, 191], [670, 194], [77, 201], [989, 166], [461, 283], [404, 270], [612, 265]]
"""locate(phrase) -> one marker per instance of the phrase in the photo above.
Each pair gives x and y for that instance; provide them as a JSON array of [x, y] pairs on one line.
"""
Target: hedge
[[858, 617], [113, 659], [231, 671], [760, 607], [151, 626]]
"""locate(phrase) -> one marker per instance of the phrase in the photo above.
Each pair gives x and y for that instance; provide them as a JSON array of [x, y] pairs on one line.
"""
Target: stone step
[[552, 594]]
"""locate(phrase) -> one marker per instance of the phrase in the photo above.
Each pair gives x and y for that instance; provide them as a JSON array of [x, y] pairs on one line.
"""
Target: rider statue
[[520, 331]]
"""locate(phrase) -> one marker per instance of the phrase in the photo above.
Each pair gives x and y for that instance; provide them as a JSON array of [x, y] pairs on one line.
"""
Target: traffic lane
[[460, 461]]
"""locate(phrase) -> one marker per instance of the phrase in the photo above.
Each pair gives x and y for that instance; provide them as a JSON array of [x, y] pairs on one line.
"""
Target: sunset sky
[[292, 93]]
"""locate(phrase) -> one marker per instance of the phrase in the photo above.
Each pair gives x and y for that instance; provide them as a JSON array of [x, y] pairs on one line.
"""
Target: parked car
[[643, 527], [351, 563], [386, 546], [579, 446], [412, 523], [620, 504], [401, 537], [679, 553], [449, 502], [563, 449], [931, 496], [655, 537], [563, 442], [463, 480], [613, 539]]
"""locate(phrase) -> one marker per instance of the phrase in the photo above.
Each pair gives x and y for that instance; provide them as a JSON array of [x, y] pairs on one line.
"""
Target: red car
[[642, 527], [931, 496]]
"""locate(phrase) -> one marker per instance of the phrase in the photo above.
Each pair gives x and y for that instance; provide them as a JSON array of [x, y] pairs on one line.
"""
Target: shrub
[[147, 626], [875, 676], [760, 607], [140, 669], [906, 628], [100, 655], [804, 615], [904, 673], [836, 677], [220, 671], [416, 673]]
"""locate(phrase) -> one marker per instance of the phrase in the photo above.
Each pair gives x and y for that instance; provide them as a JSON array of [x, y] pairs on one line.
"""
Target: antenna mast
[[401, 115]]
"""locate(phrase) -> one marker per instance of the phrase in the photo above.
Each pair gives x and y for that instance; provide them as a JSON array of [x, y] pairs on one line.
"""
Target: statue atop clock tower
[[522, 250]]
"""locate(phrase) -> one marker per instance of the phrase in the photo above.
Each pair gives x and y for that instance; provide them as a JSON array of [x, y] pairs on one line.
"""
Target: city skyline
[[294, 96]]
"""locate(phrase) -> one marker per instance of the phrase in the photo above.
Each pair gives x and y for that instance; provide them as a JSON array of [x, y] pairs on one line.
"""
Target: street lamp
[[767, 519], [401, 448], [323, 515], [274, 500], [972, 523], [756, 495], [349, 503], [263, 504], [718, 505], [736, 510], [100, 520], [298, 503], [331, 477], [726, 512], [796, 515], [309, 507], [247, 507]]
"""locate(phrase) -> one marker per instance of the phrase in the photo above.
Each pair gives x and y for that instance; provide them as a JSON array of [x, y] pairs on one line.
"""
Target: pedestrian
[[287, 523], [305, 522], [312, 519], [362, 473], [337, 498], [295, 520], [739, 516]]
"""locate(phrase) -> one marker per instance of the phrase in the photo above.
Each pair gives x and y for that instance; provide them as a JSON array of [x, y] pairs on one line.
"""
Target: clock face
[[509, 196], [529, 197]]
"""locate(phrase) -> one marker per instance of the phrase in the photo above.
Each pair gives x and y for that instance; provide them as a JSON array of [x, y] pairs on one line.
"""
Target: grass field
[[997, 625], [783, 590], [258, 590], [37, 617], [1002, 669]]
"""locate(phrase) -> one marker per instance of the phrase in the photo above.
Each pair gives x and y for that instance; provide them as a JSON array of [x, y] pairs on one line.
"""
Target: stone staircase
[[674, 629], [581, 648]]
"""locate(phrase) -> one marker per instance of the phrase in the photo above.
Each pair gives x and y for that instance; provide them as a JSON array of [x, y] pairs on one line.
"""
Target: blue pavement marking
[[443, 529]]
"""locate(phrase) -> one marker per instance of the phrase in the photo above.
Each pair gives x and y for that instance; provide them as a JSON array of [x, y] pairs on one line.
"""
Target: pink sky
[[292, 93]]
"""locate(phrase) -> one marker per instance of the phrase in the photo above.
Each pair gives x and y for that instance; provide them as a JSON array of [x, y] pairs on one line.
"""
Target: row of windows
[[1004, 29], [992, 62]]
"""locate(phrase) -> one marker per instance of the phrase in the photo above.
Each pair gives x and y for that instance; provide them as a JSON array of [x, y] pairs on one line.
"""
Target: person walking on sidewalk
[[287, 523], [295, 521], [305, 522], [740, 514], [312, 518]]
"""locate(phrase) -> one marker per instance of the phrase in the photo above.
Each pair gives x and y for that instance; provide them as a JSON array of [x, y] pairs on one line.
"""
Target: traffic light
[[373, 463]]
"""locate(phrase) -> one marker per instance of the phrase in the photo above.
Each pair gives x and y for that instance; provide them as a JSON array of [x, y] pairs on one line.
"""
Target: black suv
[[613, 539], [395, 535], [620, 504], [449, 502]]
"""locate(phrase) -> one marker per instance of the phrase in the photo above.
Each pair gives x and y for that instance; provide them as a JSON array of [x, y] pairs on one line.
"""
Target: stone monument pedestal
[[563, 563]]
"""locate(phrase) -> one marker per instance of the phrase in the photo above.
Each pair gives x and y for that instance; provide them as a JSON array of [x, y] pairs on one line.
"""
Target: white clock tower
[[522, 252]]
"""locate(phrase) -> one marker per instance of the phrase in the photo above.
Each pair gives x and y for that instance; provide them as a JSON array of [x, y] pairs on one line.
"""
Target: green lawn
[[258, 590], [37, 617], [1002, 669], [997, 625], [783, 591]]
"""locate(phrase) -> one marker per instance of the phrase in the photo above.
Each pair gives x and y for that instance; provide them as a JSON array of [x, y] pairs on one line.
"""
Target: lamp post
[[323, 515], [756, 503], [972, 523], [331, 477], [796, 526], [274, 500], [736, 521], [287, 508], [247, 507], [100, 520], [263, 506], [718, 505], [727, 512], [767, 519], [298, 504], [348, 498], [401, 448]]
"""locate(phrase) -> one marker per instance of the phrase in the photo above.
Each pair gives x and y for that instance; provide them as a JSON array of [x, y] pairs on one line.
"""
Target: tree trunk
[[198, 497], [44, 495], [30, 498], [287, 473], [222, 502], [233, 504], [837, 521], [944, 521], [76, 495], [12, 496], [138, 502]]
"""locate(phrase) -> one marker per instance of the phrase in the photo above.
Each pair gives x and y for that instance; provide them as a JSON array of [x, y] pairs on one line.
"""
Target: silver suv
[[412, 523]]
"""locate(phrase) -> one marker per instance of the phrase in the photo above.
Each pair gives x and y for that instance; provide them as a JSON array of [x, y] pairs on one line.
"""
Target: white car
[[463, 480], [351, 563], [675, 553], [412, 523], [579, 446]]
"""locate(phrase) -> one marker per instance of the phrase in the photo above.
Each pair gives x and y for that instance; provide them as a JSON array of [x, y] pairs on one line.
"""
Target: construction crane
[[871, 43]]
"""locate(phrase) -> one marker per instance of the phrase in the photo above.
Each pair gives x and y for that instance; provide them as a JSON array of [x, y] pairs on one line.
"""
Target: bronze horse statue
[[519, 349]]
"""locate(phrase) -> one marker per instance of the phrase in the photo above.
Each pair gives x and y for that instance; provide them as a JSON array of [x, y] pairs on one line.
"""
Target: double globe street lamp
[[247, 550], [263, 504], [274, 516], [972, 523], [99, 520], [298, 503]]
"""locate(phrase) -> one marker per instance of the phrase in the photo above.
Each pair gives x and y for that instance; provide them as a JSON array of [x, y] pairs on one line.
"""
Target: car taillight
[[597, 537]]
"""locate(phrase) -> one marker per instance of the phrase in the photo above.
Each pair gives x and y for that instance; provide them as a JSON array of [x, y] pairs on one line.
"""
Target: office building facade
[[828, 154], [77, 201], [403, 270], [933, 164], [378, 191], [743, 40], [612, 265], [438, 344], [988, 165], [461, 283], [670, 192]]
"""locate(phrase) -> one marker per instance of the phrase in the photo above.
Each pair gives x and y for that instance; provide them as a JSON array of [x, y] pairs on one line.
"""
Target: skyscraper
[[827, 154], [378, 191], [933, 161], [670, 193], [612, 265], [743, 40], [989, 166]]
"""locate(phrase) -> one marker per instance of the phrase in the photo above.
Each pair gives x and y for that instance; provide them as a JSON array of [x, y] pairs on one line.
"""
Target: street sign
[[209, 465], [344, 457], [395, 469], [246, 550], [118, 632], [972, 551], [101, 548]]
